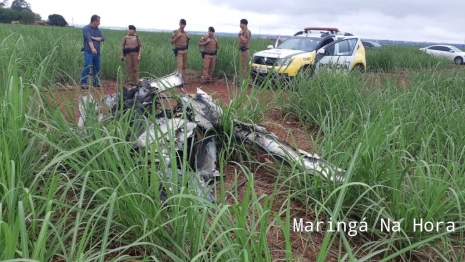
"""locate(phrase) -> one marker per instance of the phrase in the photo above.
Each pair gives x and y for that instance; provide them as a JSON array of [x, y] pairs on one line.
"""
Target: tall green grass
[[391, 58], [405, 146], [83, 194]]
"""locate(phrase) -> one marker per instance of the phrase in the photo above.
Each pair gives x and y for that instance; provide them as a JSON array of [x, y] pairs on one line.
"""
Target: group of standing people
[[210, 45], [131, 49]]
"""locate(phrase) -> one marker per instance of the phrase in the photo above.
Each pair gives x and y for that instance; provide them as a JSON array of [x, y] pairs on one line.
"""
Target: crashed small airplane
[[194, 118]]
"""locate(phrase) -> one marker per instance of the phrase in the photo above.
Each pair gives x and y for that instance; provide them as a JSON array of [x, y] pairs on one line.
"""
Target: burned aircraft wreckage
[[194, 119]]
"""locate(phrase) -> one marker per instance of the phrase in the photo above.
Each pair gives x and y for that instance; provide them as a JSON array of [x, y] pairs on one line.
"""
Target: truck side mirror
[[270, 47]]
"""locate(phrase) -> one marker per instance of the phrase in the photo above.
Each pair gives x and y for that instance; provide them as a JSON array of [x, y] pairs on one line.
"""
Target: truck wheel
[[359, 68], [257, 79], [306, 71]]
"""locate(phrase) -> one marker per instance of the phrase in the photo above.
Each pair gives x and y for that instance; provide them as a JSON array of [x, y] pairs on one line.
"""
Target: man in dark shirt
[[92, 38]]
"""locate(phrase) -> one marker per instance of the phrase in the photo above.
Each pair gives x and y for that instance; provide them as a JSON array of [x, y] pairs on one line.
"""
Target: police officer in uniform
[[180, 40], [210, 46], [244, 38], [132, 50]]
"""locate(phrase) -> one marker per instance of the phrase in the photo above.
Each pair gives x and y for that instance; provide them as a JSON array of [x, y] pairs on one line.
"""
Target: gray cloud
[[413, 20], [396, 8]]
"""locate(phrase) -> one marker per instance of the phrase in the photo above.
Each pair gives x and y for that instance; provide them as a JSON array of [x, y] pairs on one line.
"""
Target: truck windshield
[[300, 43]]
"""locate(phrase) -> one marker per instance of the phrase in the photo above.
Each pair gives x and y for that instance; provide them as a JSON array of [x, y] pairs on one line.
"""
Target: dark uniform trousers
[[182, 62], [209, 62], [132, 66]]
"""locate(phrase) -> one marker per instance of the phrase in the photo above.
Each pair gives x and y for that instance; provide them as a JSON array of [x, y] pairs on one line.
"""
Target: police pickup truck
[[309, 51]]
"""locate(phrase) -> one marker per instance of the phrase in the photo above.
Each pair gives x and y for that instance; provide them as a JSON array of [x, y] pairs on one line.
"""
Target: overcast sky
[[410, 20]]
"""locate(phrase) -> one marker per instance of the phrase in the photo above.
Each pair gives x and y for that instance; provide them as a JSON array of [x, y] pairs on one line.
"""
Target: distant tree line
[[21, 11]]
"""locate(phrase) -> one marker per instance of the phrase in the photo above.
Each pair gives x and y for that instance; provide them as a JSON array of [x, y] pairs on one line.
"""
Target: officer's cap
[[132, 27], [211, 29]]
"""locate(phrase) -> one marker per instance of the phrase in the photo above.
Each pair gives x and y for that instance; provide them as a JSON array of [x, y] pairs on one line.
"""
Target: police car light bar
[[330, 29]]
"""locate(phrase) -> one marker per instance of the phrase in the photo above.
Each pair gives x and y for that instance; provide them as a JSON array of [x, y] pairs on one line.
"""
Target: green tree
[[20, 5], [57, 20], [7, 15], [38, 17], [4, 3], [27, 17]]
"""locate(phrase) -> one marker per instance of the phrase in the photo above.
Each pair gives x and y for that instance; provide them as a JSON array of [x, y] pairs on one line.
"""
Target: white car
[[450, 52]]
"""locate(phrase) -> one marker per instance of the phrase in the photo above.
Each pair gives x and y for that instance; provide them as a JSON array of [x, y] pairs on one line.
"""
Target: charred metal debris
[[193, 124]]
